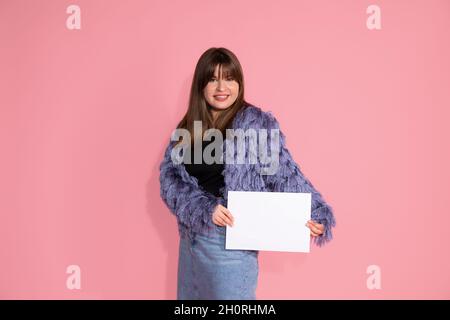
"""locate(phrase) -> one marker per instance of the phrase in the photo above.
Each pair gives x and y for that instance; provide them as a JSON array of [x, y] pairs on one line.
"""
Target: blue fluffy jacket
[[193, 206]]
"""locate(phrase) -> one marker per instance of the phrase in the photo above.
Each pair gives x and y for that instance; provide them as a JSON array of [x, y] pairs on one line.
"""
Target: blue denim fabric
[[208, 271]]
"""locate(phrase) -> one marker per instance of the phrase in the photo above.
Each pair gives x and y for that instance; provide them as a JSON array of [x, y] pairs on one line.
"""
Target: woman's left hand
[[315, 227]]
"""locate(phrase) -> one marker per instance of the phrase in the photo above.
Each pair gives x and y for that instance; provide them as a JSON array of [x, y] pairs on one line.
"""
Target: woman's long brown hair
[[198, 108]]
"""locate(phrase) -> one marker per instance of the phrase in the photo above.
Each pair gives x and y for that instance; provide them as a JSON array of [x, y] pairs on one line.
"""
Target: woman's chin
[[219, 107]]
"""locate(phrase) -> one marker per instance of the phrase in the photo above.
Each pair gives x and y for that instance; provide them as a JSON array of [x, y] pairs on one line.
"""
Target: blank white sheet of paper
[[271, 221]]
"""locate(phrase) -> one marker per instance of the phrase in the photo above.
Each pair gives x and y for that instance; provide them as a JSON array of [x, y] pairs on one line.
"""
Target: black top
[[209, 175]]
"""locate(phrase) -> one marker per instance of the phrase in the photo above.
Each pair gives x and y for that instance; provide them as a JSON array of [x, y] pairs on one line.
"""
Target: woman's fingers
[[314, 227], [220, 220], [223, 217], [227, 212], [227, 219], [314, 234], [228, 216]]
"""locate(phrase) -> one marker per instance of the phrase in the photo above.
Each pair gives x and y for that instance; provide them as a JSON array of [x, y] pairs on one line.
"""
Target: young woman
[[196, 193]]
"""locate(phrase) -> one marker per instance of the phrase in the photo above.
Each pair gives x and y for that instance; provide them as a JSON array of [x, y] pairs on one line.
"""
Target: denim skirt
[[208, 271]]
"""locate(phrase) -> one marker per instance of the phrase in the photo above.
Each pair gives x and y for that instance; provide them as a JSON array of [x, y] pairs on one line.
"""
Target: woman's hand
[[222, 216], [316, 228]]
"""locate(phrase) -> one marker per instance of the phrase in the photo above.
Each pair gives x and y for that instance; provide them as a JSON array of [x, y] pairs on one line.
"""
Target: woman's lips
[[221, 97]]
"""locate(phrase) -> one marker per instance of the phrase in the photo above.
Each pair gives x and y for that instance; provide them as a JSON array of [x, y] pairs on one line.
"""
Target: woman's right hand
[[222, 216]]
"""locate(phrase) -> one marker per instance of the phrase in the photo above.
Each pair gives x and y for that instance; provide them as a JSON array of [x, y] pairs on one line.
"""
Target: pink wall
[[85, 115]]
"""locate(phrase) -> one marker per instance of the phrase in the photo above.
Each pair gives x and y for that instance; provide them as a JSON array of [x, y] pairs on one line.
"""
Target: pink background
[[86, 114]]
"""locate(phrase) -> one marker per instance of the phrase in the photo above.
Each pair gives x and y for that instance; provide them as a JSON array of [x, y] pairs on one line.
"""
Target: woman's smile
[[221, 97]]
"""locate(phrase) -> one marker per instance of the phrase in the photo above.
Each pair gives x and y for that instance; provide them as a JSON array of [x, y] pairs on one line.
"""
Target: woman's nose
[[220, 85]]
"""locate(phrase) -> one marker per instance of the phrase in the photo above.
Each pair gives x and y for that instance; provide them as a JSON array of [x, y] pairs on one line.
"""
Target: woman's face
[[220, 92]]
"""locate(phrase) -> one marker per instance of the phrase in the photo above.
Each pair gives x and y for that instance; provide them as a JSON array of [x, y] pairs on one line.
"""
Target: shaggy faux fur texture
[[193, 206]]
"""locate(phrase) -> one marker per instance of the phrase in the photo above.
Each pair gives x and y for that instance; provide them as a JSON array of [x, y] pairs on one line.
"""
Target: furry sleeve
[[189, 202], [289, 178]]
